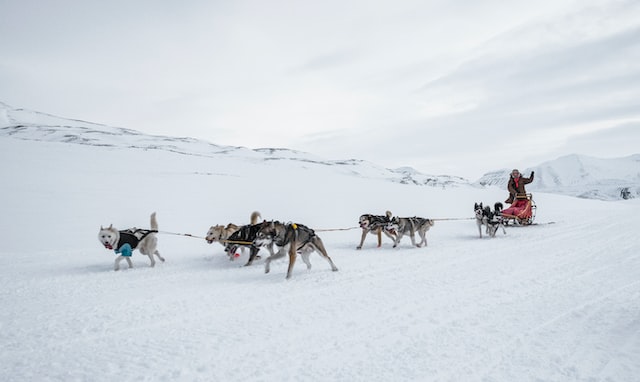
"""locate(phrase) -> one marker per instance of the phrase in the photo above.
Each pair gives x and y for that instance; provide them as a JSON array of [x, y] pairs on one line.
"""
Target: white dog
[[124, 242]]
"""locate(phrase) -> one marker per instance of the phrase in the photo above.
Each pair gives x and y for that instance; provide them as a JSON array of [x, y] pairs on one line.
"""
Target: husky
[[492, 220], [402, 226], [124, 242], [291, 239], [221, 233], [244, 238], [481, 219], [376, 225]]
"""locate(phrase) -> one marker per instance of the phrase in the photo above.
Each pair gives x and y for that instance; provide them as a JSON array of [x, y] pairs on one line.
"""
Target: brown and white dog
[[290, 239], [219, 233], [375, 224]]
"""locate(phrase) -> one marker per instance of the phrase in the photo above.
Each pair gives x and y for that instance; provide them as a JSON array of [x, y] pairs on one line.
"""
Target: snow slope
[[552, 302], [33, 125], [581, 176]]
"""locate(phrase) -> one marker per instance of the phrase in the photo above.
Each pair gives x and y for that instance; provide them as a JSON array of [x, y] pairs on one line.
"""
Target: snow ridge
[[574, 175], [36, 126]]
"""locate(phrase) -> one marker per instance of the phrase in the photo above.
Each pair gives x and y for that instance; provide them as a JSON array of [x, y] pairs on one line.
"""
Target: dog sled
[[521, 212]]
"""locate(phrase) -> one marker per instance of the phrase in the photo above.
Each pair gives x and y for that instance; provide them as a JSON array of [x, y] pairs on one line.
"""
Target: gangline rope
[[316, 230]]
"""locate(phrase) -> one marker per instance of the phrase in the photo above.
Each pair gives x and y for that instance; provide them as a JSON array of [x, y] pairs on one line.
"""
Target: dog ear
[[101, 227], [110, 226]]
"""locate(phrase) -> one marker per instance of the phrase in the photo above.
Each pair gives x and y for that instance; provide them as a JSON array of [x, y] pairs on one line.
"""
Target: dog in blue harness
[[126, 241]]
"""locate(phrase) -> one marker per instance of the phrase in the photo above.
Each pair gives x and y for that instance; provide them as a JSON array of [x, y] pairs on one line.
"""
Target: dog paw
[[358, 247]]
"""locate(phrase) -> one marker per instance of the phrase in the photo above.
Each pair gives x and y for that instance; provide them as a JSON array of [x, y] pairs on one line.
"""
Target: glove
[[531, 176]]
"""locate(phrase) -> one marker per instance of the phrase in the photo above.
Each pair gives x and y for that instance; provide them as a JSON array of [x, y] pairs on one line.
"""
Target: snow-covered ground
[[551, 302]]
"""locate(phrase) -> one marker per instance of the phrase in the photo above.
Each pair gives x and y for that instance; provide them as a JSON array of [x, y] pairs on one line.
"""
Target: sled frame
[[522, 218]]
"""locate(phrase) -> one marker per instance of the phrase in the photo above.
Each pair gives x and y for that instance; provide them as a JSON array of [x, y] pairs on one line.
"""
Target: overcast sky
[[445, 86]]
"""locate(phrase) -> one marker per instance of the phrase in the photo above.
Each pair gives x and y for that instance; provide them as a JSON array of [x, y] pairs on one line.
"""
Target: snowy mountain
[[574, 175], [581, 176], [32, 125]]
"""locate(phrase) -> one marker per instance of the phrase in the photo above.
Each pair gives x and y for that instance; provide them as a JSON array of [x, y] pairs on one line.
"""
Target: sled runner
[[521, 212]]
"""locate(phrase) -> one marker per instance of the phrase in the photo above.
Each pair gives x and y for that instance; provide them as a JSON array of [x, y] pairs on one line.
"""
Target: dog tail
[[154, 222], [498, 207], [254, 217], [389, 214]]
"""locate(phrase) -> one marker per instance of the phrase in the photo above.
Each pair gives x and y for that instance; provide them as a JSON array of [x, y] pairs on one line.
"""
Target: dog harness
[[295, 228], [129, 240], [377, 221]]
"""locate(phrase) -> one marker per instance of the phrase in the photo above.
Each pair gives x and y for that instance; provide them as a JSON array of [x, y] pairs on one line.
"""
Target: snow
[[551, 302], [580, 175], [33, 125]]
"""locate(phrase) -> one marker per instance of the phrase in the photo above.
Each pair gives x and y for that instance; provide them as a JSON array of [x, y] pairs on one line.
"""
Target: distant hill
[[575, 175], [581, 176], [37, 126]]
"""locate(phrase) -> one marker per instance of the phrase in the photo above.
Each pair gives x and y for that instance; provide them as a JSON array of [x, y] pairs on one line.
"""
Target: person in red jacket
[[516, 185]]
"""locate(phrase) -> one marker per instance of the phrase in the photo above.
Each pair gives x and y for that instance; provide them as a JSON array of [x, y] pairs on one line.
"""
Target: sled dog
[[126, 241], [402, 226], [492, 220], [481, 219], [291, 239], [376, 225], [220, 233], [243, 238]]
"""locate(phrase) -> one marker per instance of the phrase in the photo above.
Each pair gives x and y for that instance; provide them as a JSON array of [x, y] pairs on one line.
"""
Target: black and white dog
[[376, 225], [402, 226], [244, 238], [492, 220]]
